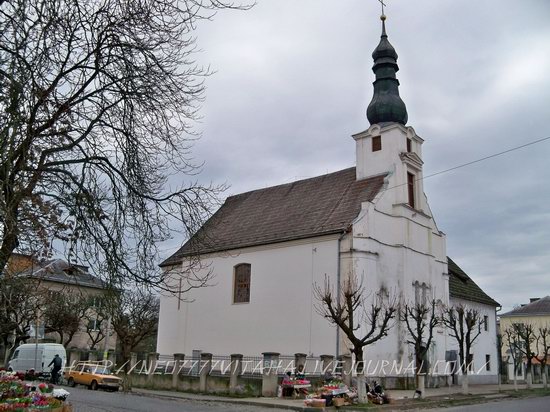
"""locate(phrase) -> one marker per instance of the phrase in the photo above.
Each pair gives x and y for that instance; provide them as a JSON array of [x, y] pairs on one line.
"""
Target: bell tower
[[388, 146]]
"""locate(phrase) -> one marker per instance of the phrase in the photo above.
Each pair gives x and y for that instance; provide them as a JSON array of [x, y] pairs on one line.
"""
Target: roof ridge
[[290, 183]]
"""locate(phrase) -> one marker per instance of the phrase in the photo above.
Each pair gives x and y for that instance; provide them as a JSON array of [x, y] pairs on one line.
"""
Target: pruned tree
[[98, 101], [19, 309], [63, 312], [513, 343], [525, 336], [420, 319], [464, 325], [542, 343], [362, 317]]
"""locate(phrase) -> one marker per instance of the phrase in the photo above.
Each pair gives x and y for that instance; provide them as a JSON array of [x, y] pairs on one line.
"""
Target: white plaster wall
[[394, 245], [280, 316], [485, 344]]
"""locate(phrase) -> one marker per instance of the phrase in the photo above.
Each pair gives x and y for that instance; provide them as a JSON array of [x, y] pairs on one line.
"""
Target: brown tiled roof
[[463, 287], [538, 307], [306, 208]]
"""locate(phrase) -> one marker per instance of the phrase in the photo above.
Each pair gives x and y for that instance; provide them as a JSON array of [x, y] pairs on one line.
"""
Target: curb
[[225, 400]]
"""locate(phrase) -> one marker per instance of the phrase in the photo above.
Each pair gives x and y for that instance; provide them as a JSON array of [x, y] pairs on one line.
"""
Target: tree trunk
[[515, 374], [529, 376], [361, 384], [465, 387], [545, 376], [421, 385]]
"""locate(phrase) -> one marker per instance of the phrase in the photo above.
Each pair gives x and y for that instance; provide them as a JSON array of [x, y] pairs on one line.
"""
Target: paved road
[[85, 400], [541, 404]]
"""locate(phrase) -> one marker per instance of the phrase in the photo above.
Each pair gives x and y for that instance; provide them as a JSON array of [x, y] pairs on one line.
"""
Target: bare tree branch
[[98, 102]]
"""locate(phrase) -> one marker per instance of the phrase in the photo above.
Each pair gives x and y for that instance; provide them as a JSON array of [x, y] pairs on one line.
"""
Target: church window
[[409, 145], [410, 186], [486, 323], [241, 283], [421, 293], [376, 143], [488, 362]]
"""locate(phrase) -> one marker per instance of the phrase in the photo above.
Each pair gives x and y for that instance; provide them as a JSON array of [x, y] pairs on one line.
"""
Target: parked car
[[37, 357], [93, 375]]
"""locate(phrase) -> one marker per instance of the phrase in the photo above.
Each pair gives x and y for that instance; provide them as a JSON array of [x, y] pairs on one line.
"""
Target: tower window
[[488, 362], [410, 186], [486, 323], [376, 143], [241, 283], [409, 145]]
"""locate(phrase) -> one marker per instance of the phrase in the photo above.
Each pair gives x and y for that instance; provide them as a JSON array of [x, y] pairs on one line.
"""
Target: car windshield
[[99, 370]]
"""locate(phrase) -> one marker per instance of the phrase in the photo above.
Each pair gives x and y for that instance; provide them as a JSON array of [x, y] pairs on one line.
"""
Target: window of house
[[410, 185], [470, 362], [241, 284], [376, 143], [486, 323], [488, 362], [94, 324], [409, 145]]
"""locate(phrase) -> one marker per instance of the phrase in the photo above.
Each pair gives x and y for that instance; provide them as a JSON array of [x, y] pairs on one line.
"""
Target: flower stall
[[19, 396]]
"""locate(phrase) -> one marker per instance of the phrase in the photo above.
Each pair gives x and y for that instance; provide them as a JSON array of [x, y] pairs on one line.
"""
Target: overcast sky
[[293, 80]]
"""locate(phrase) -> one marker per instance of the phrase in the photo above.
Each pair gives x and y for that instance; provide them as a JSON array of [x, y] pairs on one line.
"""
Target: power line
[[488, 157], [475, 161]]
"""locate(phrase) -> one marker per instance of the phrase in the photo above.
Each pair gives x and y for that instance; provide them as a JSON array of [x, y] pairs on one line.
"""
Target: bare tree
[[98, 101], [464, 325], [542, 343], [513, 343], [63, 312], [19, 308], [420, 320], [525, 335], [97, 325], [364, 319], [134, 317]]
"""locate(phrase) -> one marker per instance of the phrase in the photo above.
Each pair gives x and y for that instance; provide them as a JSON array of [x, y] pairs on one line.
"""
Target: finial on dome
[[386, 104]]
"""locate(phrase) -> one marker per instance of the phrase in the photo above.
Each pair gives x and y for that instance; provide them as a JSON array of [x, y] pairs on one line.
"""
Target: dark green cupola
[[386, 105]]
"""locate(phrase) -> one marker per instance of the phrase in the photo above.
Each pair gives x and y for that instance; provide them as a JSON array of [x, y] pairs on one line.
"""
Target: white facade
[[280, 316], [393, 245]]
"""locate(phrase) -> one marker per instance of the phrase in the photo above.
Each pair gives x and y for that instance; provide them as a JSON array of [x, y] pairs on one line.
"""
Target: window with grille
[[241, 285]]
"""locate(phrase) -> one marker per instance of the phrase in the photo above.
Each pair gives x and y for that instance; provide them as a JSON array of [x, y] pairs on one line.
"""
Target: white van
[[31, 355]]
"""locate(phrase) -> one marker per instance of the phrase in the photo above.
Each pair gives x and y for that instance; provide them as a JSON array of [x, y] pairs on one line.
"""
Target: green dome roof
[[386, 104]]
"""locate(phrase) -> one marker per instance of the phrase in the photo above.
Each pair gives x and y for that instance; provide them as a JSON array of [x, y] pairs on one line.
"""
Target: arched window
[[241, 283]]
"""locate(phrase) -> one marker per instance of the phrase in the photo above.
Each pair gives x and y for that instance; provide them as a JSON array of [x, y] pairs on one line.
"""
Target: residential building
[[535, 314]]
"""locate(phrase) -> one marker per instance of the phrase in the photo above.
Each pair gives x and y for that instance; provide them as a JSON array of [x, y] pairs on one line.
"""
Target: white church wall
[[280, 316]]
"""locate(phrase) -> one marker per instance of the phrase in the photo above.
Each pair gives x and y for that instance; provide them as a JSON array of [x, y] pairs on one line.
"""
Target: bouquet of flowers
[[45, 387]]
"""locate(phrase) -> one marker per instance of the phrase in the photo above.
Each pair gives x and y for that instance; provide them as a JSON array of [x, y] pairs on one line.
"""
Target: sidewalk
[[398, 396]]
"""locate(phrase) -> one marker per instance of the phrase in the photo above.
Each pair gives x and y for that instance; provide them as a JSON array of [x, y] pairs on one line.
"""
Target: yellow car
[[94, 376]]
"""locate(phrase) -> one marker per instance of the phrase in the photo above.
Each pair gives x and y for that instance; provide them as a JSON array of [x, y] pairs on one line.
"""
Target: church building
[[267, 249]]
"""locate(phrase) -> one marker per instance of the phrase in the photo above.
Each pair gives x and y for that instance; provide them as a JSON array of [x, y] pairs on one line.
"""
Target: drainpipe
[[338, 290]]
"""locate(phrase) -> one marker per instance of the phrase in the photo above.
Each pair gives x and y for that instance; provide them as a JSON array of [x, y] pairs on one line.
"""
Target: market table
[[297, 389]]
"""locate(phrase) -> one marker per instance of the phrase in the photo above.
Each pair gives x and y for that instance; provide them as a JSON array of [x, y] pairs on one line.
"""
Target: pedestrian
[[57, 363]]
